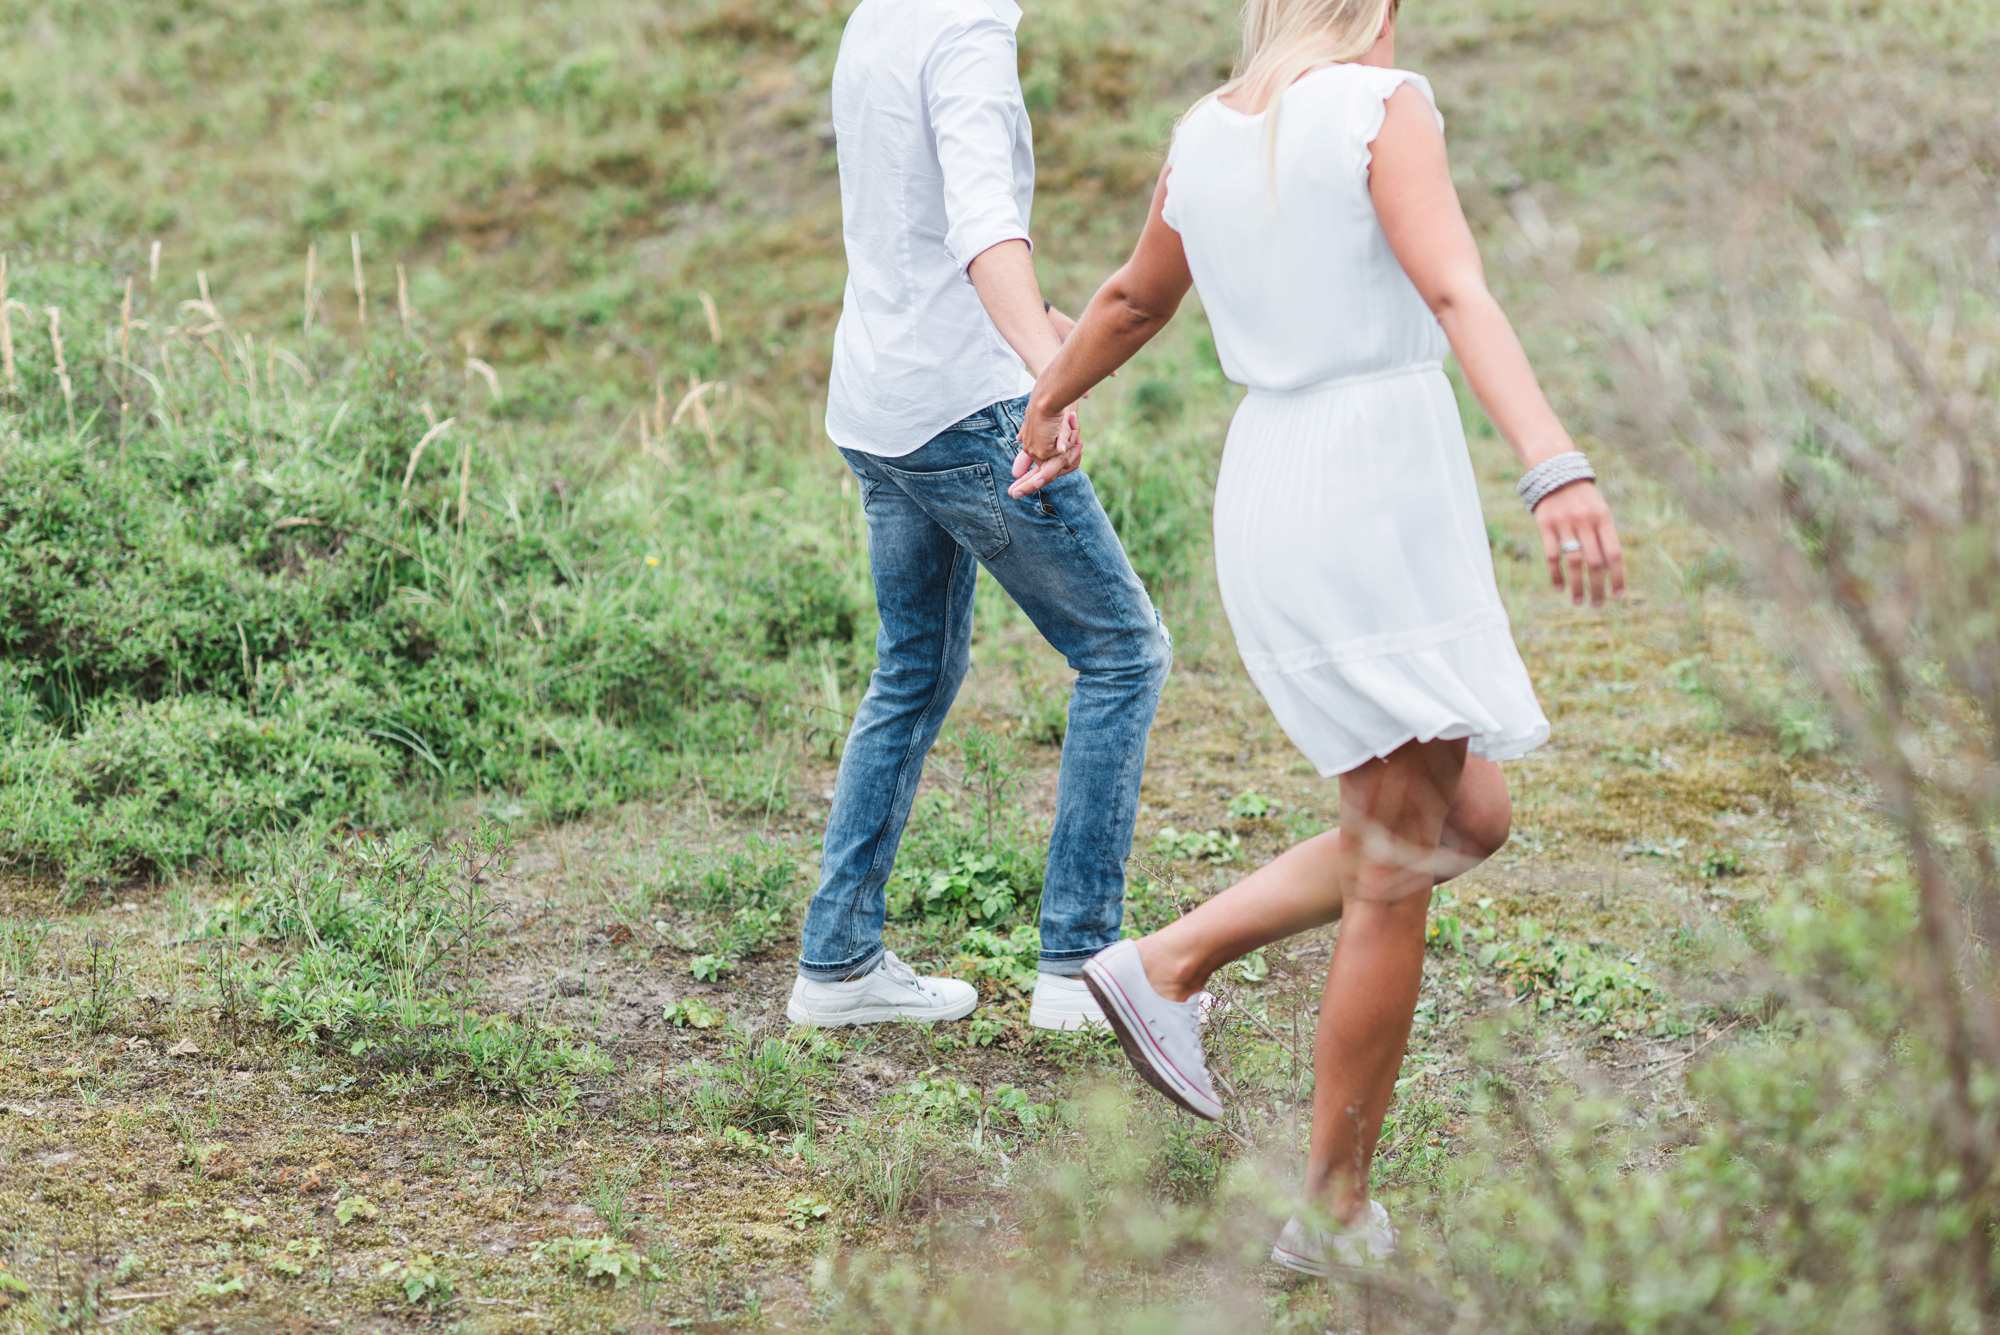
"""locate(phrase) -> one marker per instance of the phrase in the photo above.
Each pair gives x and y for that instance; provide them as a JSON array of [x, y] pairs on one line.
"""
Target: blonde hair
[[1282, 39]]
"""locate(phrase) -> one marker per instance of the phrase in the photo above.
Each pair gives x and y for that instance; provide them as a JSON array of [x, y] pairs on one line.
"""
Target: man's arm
[[1004, 278], [973, 88]]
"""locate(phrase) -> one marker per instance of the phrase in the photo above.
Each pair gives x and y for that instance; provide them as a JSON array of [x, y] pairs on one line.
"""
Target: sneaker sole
[[1299, 1265], [1111, 998], [878, 1015]]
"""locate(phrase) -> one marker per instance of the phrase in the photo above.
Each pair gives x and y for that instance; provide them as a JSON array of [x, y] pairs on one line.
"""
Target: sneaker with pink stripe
[[1161, 1038]]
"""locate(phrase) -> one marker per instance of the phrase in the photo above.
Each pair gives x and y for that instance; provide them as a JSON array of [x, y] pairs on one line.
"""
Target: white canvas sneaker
[[1311, 1250], [1161, 1038], [892, 990], [1063, 1003]]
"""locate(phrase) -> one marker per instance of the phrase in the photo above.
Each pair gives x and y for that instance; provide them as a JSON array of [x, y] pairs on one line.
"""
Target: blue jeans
[[934, 517]]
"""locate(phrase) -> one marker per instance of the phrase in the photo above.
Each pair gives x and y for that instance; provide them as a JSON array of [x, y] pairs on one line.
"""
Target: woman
[[1310, 201]]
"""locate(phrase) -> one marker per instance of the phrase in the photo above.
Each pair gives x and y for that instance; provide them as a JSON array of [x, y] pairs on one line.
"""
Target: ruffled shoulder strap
[[1169, 210], [1377, 87]]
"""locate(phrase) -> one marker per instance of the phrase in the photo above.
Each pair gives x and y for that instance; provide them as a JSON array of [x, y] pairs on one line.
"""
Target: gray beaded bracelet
[[1552, 475]]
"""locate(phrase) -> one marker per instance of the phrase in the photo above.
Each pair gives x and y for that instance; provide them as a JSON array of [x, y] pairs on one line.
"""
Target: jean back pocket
[[964, 502]]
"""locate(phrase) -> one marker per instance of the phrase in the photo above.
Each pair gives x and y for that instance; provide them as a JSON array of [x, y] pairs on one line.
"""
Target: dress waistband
[[1340, 382]]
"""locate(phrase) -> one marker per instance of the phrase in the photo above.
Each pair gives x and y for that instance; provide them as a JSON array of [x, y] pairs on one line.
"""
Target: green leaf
[[351, 1208]]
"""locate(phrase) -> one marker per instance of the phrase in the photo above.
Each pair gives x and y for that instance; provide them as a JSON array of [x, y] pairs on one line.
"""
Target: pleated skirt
[[1357, 577]]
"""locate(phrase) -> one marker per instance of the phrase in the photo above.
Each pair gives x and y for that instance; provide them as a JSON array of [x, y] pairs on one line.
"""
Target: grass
[[274, 642], [331, 627]]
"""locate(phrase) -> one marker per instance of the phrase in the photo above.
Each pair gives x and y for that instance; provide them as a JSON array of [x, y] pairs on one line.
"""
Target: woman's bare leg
[[1422, 815], [1306, 887], [1398, 808]]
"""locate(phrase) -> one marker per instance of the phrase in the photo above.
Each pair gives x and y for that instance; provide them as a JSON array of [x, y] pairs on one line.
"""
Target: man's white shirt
[[937, 165]]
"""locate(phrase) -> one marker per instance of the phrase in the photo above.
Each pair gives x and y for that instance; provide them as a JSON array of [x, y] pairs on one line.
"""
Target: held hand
[[1063, 324], [1581, 543], [1051, 445]]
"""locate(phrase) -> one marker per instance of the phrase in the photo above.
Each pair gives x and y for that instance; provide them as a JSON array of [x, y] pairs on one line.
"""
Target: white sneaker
[[890, 991], [1161, 1038], [1311, 1250], [1063, 1003]]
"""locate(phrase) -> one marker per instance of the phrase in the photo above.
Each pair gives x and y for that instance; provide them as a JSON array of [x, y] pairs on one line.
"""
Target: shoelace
[[899, 972]]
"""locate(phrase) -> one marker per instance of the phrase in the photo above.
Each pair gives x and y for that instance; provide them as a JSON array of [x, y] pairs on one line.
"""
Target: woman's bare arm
[[1410, 179], [1134, 304]]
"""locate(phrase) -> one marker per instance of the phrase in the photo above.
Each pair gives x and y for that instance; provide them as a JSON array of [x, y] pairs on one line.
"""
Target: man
[[942, 328]]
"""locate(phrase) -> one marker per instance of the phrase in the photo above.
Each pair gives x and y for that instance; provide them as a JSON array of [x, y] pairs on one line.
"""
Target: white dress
[[1349, 543]]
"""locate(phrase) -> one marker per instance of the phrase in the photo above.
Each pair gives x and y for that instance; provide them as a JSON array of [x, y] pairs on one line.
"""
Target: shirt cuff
[[968, 245]]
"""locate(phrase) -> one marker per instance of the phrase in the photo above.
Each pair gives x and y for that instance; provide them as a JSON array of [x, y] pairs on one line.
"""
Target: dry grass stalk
[[403, 298], [221, 362], [714, 318], [311, 296], [291, 360], [417, 454], [62, 367], [475, 366], [692, 403], [124, 358], [333, 426], [6, 332], [653, 424], [153, 266], [246, 352], [360, 280]]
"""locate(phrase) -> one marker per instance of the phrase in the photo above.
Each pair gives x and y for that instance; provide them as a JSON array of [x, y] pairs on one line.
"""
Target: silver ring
[[1570, 545]]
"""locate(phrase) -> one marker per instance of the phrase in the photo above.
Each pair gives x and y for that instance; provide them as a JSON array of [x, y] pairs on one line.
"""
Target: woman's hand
[[1051, 445], [1581, 543]]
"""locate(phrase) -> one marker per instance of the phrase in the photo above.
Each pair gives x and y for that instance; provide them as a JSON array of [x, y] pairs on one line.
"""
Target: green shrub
[[888, 1165], [1557, 975], [760, 1088], [961, 866], [170, 782], [1013, 959], [606, 1262], [234, 615], [1808, 1196]]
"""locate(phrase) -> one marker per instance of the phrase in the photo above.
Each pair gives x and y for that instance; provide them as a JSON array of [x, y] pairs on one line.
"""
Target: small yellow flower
[[652, 560]]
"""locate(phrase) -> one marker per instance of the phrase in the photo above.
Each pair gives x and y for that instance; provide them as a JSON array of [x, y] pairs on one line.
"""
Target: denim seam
[[1004, 419], [923, 720]]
